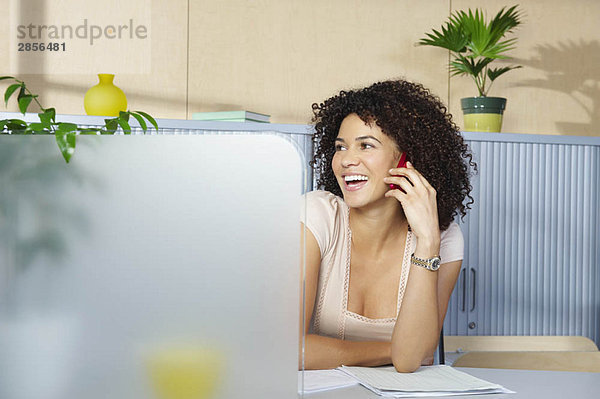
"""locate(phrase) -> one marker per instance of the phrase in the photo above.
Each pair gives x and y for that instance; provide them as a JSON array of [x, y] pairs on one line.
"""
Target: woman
[[374, 294]]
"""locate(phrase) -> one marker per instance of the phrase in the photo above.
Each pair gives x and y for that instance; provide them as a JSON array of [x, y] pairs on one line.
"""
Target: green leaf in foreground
[[111, 125], [141, 121], [38, 127], [15, 125], [66, 127], [90, 130], [124, 125], [47, 117], [66, 143], [9, 92], [24, 102], [150, 119]]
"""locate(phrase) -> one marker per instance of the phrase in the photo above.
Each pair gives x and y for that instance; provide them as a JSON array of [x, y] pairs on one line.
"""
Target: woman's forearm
[[416, 331], [326, 353]]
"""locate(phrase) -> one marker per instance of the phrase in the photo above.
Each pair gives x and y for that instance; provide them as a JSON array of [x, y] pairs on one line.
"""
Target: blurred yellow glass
[[185, 372]]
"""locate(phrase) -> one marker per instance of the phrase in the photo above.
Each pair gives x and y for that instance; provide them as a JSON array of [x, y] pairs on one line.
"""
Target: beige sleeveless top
[[327, 217]]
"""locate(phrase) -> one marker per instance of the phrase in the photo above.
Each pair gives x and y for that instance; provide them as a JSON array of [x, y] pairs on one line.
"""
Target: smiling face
[[363, 157]]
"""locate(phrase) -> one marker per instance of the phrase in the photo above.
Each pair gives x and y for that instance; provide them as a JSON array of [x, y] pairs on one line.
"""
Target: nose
[[349, 158]]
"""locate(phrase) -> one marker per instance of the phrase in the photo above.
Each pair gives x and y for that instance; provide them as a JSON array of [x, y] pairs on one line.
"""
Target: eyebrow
[[359, 138]]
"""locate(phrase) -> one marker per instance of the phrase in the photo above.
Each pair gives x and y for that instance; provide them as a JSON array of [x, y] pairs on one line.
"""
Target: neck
[[378, 225]]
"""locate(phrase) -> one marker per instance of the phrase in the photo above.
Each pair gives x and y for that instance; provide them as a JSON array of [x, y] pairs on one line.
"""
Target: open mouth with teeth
[[355, 182]]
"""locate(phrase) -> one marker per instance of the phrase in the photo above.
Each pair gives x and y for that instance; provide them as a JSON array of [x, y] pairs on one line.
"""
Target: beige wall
[[161, 90], [280, 56]]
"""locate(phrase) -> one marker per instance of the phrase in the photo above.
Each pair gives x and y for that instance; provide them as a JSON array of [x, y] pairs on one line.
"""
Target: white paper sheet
[[324, 380], [427, 381]]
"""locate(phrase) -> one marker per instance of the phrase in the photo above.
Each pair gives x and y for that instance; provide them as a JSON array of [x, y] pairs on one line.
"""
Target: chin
[[353, 203], [357, 200], [364, 199]]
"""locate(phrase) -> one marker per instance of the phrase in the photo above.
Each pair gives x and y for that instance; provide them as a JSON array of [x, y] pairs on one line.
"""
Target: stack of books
[[231, 116]]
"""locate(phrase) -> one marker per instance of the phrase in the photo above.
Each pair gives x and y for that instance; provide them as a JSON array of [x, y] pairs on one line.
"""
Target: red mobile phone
[[401, 164]]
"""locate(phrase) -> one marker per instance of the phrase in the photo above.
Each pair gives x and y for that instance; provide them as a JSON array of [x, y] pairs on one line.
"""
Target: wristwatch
[[430, 264]]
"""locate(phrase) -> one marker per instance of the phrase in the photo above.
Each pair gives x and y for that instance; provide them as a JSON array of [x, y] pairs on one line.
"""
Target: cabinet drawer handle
[[464, 289], [473, 285]]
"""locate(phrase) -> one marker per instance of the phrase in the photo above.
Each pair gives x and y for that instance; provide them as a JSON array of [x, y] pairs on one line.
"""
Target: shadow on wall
[[574, 69]]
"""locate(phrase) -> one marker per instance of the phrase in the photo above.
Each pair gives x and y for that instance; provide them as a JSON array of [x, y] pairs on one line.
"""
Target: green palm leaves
[[474, 44]]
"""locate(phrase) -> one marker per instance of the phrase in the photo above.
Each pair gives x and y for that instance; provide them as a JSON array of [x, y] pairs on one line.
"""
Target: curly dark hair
[[419, 124]]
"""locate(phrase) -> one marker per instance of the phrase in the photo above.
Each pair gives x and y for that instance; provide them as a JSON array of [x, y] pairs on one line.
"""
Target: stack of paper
[[427, 381], [324, 380]]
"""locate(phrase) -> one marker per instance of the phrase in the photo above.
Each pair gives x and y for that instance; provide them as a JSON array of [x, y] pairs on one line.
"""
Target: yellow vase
[[105, 99]]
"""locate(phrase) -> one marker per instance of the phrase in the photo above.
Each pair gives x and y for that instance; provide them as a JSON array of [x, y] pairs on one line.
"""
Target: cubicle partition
[[151, 266]]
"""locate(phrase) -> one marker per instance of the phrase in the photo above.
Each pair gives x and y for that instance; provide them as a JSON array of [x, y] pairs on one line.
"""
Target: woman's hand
[[418, 199]]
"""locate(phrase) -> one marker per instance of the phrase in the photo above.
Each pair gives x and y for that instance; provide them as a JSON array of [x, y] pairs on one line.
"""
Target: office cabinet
[[531, 239]]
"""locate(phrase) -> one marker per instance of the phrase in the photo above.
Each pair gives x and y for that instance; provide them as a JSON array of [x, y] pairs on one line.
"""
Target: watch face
[[435, 264]]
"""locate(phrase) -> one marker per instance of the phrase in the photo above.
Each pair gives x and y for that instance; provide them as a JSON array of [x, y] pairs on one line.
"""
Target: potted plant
[[474, 44], [65, 133]]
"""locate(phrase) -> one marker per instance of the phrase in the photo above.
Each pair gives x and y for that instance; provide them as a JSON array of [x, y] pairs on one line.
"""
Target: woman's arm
[[447, 276], [326, 352], [421, 316], [427, 292]]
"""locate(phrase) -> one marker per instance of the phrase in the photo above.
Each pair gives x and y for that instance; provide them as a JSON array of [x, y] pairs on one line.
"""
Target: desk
[[529, 384]]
